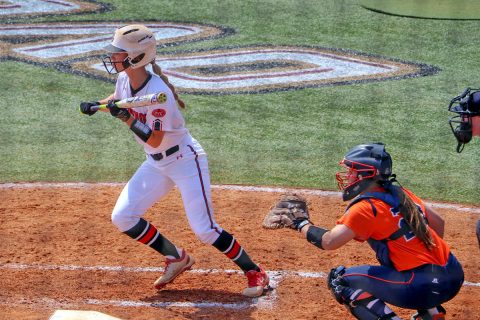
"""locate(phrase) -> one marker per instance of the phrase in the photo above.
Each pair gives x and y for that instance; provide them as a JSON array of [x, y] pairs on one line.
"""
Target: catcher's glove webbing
[[290, 211]]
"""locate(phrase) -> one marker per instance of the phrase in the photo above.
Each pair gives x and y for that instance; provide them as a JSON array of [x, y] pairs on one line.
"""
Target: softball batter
[[173, 157]]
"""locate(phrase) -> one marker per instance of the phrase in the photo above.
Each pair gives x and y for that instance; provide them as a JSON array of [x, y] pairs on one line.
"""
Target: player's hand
[[86, 107], [117, 112]]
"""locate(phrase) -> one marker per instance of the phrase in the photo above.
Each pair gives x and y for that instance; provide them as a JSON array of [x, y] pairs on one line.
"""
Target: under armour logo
[[435, 280]]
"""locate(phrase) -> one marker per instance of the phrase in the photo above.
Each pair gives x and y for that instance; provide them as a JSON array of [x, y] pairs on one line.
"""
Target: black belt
[[169, 152]]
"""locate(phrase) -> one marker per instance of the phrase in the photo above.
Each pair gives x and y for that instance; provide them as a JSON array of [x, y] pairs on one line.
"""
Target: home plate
[[80, 315]]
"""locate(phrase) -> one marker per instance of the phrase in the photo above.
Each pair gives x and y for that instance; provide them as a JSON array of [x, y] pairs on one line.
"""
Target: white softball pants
[[188, 170]]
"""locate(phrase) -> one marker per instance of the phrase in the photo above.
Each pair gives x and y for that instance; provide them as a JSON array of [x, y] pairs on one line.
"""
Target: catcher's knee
[[340, 289], [336, 283]]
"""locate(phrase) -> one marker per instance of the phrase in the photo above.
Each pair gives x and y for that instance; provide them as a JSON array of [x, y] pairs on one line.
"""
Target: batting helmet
[[137, 41], [364, 165]]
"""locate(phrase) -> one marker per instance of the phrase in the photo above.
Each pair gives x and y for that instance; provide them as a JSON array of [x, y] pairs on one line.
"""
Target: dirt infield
[[60, 251]]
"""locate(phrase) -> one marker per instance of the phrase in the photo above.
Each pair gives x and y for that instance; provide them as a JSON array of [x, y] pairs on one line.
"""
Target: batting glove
[[86, 107], [117, 112]]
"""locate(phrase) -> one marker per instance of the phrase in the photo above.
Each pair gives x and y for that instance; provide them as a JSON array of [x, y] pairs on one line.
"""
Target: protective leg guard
[[361, 304], [364, 306]]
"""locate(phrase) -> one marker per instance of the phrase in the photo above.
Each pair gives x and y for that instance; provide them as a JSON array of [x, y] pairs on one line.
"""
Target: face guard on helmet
[[466, 123], [137, 41], [364, 165]]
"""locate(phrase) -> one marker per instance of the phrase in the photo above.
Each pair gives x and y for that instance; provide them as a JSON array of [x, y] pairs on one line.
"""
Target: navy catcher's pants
[[424, 287]]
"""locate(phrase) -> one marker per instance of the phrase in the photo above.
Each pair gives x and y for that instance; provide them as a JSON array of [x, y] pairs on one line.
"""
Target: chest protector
[[380, 246]]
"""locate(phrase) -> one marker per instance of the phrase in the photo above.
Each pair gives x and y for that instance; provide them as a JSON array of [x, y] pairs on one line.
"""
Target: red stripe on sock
[[235, 250], [148, 236]]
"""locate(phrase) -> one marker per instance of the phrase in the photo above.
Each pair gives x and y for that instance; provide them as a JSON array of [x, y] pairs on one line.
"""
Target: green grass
[[437, 9], [293, 138]]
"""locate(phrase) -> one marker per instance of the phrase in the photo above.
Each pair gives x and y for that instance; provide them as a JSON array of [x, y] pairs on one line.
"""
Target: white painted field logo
[[261, 69], [79, 40], [22, 8], [76, 48]]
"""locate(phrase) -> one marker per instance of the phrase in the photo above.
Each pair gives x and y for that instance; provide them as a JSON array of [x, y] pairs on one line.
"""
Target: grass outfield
[[293, 138], [434, 9]]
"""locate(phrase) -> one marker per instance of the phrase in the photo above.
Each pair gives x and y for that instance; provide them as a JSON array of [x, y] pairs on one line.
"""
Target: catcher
[[417, 269]]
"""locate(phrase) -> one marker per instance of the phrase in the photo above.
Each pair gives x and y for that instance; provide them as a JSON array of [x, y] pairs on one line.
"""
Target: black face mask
[[466, 105], [462, 130], [110, 65]]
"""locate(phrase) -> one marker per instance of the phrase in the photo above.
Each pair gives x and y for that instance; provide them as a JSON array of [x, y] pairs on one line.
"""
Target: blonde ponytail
[[415, 219], [158, 71]]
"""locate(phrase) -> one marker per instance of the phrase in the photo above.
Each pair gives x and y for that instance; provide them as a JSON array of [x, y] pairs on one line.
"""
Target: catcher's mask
[[364, 165], [137, 41], [466, 123]]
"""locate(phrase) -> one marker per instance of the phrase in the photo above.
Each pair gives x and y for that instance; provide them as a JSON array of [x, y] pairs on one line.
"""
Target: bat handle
[[99, 107]]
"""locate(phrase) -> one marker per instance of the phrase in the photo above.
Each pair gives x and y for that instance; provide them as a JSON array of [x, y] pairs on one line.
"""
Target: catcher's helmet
[[464, 124], [137, 41], [365, 164]]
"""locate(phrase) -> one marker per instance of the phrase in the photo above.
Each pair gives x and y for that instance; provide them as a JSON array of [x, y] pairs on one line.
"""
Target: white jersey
[[164, 117]]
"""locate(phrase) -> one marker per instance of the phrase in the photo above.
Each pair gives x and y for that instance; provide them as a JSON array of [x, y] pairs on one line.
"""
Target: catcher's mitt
[[289, 211]]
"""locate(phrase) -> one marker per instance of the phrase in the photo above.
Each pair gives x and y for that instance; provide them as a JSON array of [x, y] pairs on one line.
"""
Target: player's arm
[[151, 136], [328, 239], [435, 221]]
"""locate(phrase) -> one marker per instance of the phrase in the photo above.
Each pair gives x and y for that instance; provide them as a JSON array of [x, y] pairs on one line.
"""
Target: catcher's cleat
[[424, 315], [257, 282], [173, 268]]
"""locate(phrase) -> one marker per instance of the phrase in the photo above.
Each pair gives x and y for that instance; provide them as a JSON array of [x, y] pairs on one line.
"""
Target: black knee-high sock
[[146, 233], [229, 246]]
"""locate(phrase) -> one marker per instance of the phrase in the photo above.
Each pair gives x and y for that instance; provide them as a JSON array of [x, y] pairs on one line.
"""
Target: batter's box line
[[271, 273]]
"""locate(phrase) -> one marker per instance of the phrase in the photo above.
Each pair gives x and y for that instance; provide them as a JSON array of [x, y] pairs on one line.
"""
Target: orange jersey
[[406, 252]]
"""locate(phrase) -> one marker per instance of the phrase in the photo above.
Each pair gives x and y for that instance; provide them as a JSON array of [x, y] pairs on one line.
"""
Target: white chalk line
[[67, 303], [275, 275], [323, 193]]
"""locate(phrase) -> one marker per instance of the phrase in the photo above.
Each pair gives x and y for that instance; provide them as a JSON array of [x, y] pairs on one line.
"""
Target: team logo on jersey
[[138, 116], [157, 125], [76, 47], [159, 113]]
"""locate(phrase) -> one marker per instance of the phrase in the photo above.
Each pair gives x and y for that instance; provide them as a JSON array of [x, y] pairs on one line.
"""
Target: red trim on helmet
[[353, 169]]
